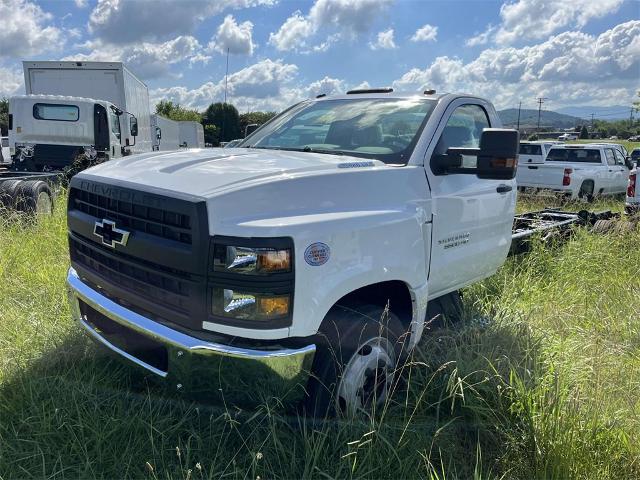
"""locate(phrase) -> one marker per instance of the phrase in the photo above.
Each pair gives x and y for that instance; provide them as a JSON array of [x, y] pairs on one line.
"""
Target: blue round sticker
[[317, 254]]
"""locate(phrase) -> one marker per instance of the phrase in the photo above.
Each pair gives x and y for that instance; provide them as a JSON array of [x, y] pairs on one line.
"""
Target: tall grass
[[541, 380]]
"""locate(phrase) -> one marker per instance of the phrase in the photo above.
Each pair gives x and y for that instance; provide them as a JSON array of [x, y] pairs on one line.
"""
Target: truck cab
[[50, 132], [333, 228]]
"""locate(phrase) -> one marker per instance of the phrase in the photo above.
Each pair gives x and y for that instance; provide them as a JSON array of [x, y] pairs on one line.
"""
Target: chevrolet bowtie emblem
[[110, 235]]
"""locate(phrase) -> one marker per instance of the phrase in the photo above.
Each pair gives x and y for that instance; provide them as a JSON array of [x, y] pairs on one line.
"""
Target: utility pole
[[224, 106], [631, 118], [592, 115], [519, 108], [540, 102]]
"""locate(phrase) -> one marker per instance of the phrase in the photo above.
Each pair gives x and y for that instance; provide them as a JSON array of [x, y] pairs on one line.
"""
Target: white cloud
[[572, 66], [120, 21], [537, 19], [147, 60], [25, 30], [327, 86], [293, 33], [263, 85], [80, 3], [384, 41], [10, 81], [428, 33], [349, 17], [237, 38]]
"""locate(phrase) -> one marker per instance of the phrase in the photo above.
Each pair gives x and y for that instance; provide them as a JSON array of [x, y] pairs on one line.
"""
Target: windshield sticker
[[356, 164], [317, 254]]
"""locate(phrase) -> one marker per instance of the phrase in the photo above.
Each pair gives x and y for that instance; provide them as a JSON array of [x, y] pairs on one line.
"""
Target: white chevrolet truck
[[270, 266], [578, 171]]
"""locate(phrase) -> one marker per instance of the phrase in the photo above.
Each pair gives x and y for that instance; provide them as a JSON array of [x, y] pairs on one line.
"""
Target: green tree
[[4, 116], [211, 135], [174, 111], [254, 118], [225, 118], [584, 133]]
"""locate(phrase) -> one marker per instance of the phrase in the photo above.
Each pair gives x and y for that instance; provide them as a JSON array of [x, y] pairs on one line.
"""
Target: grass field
[[541, 381]]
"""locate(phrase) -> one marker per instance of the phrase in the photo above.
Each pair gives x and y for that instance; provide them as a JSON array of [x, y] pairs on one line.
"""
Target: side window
[[115, 124], [463, 129], [619, 157], [611, 159]]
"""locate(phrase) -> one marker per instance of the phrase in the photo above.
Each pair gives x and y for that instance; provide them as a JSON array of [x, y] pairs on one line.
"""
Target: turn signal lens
[[631, 189], [231, 303]]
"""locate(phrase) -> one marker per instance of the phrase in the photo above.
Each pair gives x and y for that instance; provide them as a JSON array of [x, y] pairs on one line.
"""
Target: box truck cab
[[107, 81], [49, 132]]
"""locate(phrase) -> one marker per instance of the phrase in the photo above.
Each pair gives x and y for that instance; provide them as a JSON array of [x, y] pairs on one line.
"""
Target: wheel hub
[[367, 377]]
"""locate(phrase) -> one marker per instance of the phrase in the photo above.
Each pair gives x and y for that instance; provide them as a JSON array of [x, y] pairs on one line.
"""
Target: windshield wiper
[[300, 149]]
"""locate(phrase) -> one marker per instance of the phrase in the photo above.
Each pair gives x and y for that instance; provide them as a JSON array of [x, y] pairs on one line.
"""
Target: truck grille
[[154, 221], [161, 271], [169, 290]]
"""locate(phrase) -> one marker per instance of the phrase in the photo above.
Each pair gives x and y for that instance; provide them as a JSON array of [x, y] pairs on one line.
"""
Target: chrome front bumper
[[196, 366]]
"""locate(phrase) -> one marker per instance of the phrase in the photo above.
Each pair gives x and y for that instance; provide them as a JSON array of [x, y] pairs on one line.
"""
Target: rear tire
[[8, 196], [586, 191], [356, 361], [34, 197]]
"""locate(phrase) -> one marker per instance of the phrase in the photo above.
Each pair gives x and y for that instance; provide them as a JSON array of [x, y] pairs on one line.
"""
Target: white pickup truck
[[578, 171], [249, 268]]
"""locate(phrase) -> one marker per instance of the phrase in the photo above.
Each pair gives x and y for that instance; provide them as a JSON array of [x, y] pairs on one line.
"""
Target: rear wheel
[[34, 196], [8, 196], [356, 361], [586, 191]]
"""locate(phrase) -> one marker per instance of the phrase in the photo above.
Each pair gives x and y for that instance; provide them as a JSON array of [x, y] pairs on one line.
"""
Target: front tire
[[356, 361]]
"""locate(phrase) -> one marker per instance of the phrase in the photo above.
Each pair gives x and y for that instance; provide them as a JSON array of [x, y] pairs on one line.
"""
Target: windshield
[[574, 155], [381, 129]]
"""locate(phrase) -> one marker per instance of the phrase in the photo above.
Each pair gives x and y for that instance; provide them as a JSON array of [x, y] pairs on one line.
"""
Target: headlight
[[252, 261], [251, 282], [242, 305]]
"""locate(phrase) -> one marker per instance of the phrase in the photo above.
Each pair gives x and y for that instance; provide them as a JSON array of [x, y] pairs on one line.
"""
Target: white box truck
[[165, 133], [108, 81], [191, 135]]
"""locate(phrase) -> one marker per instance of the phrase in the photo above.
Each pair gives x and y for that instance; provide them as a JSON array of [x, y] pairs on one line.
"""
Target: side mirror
[[628, 161], [249, 129], [133, 126], [497, 156], [158, 133]]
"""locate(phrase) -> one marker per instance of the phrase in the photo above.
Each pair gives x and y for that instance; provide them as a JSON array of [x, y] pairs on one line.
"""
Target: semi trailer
[[165, 133]]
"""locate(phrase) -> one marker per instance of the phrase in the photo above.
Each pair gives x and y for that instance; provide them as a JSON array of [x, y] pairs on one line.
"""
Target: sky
[[572, 52]]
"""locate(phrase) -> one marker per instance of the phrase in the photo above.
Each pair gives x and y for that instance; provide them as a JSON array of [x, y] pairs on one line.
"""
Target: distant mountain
[[509, 118], [615, 112]]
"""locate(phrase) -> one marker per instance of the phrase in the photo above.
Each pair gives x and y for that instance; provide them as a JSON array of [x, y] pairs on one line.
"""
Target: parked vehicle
[[635, 155], [191, 135], [108, 81], [52, 133], [568, 136], [632, 200], [5, 153], [232, 143], [579, 171], [166, 133], [243, 269]]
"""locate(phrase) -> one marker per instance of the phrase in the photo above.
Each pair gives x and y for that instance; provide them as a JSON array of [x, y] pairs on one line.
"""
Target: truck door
[[472, 217], [101, 130], [610, 172], [115, 135], [622, 172]]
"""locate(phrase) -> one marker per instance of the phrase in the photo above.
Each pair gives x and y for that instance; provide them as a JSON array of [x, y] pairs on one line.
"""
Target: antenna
[[519, 108], [226, 77]]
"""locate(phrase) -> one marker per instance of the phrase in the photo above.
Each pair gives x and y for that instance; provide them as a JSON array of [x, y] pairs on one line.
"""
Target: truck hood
[[210, 171]]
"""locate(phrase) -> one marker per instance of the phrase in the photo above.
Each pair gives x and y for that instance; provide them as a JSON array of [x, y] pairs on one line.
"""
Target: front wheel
[[356, 362]]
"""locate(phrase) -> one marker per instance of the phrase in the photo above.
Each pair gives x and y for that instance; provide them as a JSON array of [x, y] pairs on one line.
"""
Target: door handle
[[504, 188]]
